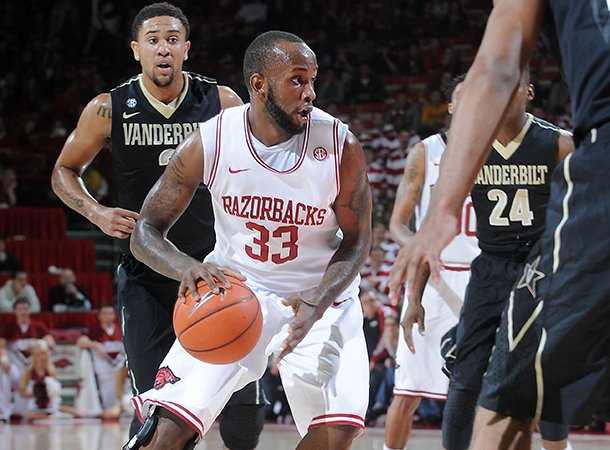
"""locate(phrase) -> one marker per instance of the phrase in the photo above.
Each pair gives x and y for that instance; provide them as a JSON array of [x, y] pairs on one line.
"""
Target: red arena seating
[[35, 223], [36, 255]]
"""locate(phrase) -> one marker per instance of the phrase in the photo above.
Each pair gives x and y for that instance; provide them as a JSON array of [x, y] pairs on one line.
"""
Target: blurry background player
[[162, 97], [510, 197], [16, 344], [418, 359]]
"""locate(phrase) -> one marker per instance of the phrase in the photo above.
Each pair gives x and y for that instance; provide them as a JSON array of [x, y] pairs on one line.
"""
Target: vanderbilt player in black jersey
[[551, 358], [144, 119], [510, 196]]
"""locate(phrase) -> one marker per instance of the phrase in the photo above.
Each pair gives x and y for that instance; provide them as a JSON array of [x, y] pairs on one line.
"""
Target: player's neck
[[165, 94], [511, 128]]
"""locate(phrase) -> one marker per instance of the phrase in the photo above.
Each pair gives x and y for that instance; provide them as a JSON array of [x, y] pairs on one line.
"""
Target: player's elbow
[[136, 241]]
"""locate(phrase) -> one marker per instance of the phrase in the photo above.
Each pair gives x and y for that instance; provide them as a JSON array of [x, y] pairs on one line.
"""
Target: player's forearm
[[149, 246], [343, 267], [70, 188]]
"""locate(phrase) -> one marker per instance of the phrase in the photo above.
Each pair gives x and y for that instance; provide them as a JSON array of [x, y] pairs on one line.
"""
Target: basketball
[[219, 328]]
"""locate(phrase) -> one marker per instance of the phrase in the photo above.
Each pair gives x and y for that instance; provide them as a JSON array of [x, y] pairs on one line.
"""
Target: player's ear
[[258, 85], [136, 50], [187, 47], [530, 93]]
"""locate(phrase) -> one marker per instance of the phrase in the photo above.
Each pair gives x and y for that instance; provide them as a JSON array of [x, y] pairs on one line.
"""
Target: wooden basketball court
[[94, 435]]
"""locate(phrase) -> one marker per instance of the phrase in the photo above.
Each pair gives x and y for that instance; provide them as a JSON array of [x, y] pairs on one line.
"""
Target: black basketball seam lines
[[258, 311]]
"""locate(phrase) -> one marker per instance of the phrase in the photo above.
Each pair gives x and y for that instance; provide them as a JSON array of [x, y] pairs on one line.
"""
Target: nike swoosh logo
[[236, 170], [128, 116]]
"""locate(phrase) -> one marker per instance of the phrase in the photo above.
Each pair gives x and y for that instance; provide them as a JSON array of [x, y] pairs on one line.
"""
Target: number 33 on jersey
[[271, 203]]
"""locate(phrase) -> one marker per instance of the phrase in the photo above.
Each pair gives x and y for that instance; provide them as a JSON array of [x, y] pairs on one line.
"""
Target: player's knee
[[241, 426]]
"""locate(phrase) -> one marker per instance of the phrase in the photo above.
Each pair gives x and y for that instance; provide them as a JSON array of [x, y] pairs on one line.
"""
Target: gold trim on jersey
[[165, 110], [509, 150]]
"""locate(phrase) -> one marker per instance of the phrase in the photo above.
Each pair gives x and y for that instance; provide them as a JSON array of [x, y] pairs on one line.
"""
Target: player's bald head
[[266, 51]]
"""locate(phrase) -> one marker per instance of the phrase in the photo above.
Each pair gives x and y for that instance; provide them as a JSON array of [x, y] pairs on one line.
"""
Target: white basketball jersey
[[464, 247], [273, 205]]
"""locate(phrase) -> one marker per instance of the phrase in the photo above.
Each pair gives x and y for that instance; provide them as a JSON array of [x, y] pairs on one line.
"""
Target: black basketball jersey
[[511, 192], [145, 133], [583, 33]]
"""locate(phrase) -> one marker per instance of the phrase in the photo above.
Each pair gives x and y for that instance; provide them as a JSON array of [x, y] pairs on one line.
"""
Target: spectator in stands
[[329, 89], [105, 346], [8, 188], [376, 272], [40, 385], [16, 341], [67, 295], [18, 288], [434, 112], [366, 86], [8, 262]]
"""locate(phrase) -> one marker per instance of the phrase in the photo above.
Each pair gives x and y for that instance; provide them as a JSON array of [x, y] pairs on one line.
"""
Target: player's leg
[[335, 437], [399, 420], [146, 324], [242, 419], [195, 404], [494, 430], [554, 436], [326, 378], [475, 335]]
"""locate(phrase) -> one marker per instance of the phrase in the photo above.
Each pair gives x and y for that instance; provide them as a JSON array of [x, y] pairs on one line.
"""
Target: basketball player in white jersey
[[418, 358], [293, 219]]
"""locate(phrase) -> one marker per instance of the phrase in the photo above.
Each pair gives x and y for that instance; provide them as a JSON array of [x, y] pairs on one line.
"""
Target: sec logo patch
[[320, 153]]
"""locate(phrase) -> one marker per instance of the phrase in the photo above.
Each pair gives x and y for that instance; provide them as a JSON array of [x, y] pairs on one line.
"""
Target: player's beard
[[164, 82], [282, 119]]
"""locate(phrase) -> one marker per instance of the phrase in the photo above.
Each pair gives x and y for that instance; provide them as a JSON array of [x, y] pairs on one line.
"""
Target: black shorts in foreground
[[552, 353], [491, 280]]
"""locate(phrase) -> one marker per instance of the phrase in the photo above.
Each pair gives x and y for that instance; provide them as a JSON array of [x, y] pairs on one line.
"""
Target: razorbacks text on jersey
[[463, 248], [511, 191], [273, 205], [145, 133]]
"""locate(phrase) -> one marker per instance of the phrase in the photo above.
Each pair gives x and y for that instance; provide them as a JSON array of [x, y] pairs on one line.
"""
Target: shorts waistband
[[452, 268], [593, 135]]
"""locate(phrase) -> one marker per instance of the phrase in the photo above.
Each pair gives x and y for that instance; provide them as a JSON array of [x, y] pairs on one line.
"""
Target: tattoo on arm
[[105, 112], [413, 175], [163, 201], [359, 198]]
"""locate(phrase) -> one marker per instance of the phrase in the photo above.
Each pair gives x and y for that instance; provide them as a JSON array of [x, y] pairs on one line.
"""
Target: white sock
[[385, 447]]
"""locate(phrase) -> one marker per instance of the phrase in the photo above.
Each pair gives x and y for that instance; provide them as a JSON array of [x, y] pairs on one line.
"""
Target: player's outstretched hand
[[305, 316], [211, 274], [420, 255], [415, 314], [116, 222]]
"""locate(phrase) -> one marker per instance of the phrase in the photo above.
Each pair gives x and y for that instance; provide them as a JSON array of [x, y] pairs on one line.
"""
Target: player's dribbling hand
[[305, 316], [414, 314], [211, 274]]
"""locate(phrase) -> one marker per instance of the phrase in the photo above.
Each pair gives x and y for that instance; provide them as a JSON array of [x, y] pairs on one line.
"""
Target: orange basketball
[[219, 328]]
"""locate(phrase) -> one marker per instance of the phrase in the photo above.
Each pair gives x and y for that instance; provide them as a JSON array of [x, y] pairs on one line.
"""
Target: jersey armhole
[[211, 164]]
